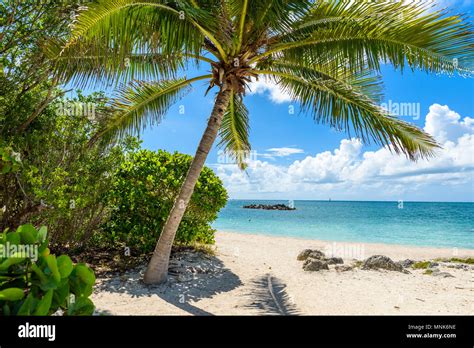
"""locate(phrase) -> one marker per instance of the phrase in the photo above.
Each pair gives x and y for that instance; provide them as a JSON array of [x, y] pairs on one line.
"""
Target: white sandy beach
[[247, 262]]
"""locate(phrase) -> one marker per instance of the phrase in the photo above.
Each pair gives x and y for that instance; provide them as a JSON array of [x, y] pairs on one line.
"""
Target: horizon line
[[345, 200]]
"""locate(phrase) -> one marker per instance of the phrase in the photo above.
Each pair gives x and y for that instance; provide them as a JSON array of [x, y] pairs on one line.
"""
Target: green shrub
[[421, 265], [35, 282], [469, 260], [142, 195], [51, 176]]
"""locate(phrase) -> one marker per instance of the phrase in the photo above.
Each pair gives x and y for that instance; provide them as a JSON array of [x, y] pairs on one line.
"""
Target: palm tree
[[326, 54]]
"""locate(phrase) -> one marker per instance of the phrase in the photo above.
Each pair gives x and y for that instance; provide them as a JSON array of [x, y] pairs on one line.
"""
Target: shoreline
[[396, 248]]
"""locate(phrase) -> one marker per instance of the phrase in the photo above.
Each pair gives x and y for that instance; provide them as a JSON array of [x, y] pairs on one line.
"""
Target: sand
[[259, 275]]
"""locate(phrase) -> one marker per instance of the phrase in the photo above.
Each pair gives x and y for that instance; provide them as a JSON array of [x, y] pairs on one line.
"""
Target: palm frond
[[94, 66], [234, 131], [141, 104], [276, 16], [254, 21], [242, 18], [345, 108], [401, 33], [365, 82], [131, 26]]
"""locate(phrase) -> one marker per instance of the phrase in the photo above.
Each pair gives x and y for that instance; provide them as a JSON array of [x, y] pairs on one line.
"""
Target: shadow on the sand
[[269, 296], [102, 312], [181, 289]]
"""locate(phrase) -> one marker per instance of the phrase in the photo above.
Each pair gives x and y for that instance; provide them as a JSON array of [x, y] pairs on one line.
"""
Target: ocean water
[[417, 223]]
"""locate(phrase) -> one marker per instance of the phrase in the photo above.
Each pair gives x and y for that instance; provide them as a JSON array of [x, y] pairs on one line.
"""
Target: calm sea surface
[[418, 223]]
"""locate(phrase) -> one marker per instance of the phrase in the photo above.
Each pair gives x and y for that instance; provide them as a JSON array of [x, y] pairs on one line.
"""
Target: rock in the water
[[310, 253], [269, 207], [381, 262], [442, 274], [406, 263], [334, 261], [343, 268], [315, 265]]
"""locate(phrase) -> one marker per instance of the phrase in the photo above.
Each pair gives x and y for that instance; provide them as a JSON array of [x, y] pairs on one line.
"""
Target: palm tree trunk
[[157, 269]]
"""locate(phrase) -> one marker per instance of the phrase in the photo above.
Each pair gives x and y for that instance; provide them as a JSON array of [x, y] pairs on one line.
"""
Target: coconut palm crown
[[326, 54]]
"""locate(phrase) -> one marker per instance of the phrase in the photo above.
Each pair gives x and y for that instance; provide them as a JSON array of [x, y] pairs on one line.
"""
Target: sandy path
[[247, 261]]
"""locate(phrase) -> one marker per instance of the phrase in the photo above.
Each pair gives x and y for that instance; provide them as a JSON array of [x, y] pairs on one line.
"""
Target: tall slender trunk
[[157, 269]]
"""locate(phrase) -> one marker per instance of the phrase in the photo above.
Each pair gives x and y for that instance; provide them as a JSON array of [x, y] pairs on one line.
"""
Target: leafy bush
[[468, 260], [61, 181], [421, 265], [35, 282], [143, 193]]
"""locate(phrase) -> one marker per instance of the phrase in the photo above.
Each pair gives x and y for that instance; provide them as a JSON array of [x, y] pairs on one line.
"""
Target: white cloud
[[266, 86], [283, 151], [445, 124], [349, 173], [327, 166]]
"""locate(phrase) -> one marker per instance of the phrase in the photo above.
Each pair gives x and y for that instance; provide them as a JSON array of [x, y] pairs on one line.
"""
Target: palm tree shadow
[[183, 288], [269, 295]]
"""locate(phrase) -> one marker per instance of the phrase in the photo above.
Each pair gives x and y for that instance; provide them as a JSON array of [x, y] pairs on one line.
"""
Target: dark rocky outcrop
[[269, 207], [459, 266], [381, 262], [406, 263], [315, 260], [334, 260], [310, 253], [315, 265]]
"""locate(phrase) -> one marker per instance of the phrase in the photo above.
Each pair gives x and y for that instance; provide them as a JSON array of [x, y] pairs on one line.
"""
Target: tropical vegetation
[[142, 194], [54, 175], [35, 282]]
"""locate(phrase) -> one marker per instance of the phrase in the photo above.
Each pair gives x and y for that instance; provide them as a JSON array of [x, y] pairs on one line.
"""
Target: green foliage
[[234, 131], [49, 175], [143, 193], [468, 260], [421, 265], [25, 71], [35, 282], [61, 181], [139, 98]]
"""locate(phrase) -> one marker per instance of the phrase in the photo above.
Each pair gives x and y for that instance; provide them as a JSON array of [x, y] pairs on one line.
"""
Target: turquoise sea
[[417, 223]]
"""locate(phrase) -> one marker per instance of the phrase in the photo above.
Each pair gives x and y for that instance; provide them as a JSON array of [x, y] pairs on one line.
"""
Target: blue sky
[[298, 159]]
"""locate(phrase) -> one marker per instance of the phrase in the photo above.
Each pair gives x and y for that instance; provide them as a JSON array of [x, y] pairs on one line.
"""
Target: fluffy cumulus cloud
[[350, 173], [265, 86], [445, 124]]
